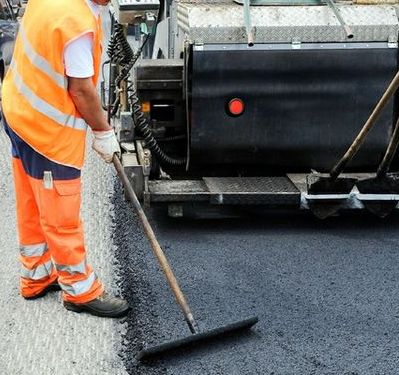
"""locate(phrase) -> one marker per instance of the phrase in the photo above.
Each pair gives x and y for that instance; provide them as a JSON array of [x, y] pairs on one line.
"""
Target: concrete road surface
[[41, 337]]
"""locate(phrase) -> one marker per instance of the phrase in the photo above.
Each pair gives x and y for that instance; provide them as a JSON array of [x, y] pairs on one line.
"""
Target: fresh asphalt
[[326, 292]]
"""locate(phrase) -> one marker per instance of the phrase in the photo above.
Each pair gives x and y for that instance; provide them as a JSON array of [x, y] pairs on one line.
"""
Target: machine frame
[[213, 167]]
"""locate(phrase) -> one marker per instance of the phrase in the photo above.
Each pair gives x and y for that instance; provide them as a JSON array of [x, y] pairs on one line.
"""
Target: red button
[[236, 106]]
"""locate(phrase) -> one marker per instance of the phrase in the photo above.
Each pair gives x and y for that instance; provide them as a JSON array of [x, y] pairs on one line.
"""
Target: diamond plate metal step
[[252, 190], [178, 191], [227, 190], [221, 21]]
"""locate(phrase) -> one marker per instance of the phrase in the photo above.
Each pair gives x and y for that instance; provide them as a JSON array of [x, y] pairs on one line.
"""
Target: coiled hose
[[120, 51], [144, 129], [118, 48]]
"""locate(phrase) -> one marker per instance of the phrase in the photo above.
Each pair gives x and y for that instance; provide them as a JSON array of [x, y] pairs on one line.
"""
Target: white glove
[[106, 144]]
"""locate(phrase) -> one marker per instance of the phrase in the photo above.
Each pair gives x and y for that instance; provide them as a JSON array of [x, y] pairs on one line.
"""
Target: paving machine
[[252, 103]]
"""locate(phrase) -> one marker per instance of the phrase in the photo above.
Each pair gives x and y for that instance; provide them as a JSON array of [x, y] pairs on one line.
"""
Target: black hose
[[120, 51], [119, 47], [144, 129], [112, 46]]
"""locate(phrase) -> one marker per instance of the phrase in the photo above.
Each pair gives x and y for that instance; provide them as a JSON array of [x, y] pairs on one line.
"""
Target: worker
[[49, 97]]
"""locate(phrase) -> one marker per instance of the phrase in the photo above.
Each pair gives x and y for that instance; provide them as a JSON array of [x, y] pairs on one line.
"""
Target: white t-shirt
[[78, 54]]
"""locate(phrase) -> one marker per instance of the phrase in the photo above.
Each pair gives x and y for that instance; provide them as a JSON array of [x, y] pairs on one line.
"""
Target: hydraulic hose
[[144, 129], [120, 51]]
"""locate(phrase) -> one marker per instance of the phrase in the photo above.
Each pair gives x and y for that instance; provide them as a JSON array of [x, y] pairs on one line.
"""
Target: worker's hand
[[106, 144]]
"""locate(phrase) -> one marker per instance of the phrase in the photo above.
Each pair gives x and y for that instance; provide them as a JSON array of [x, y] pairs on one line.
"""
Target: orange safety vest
[[35, 97]]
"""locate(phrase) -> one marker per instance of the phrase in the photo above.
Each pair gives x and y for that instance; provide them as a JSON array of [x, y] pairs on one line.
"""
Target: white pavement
[[41, 337]]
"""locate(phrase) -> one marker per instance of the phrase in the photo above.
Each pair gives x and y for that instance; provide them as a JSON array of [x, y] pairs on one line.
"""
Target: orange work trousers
[[48, 198], [51, 237]]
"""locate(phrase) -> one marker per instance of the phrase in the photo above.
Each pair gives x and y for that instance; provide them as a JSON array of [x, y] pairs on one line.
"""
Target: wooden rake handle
[[354, 147], [156, 248]]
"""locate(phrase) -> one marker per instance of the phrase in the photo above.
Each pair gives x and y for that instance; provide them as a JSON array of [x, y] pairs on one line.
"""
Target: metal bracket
[[144, 157], [393, 41], [296, 44], [248, 22], [175, 210], [126, 121], [134, 172]]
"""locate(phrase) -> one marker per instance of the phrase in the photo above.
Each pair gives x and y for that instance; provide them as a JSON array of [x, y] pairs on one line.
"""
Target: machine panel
[[126, 11], [303, 107]]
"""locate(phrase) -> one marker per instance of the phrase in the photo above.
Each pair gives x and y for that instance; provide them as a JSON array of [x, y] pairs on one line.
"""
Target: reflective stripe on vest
[[78, 268], [35, 97], [40, 272], [80, 287], [40, 63], [36, 250], [43, 107]]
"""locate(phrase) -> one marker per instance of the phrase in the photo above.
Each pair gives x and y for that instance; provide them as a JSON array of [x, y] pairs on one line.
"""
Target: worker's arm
[[84, 95], [87, 101]]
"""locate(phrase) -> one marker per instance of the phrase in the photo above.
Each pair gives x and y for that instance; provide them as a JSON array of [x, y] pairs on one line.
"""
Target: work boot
[[105, 305], [53, 287]]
